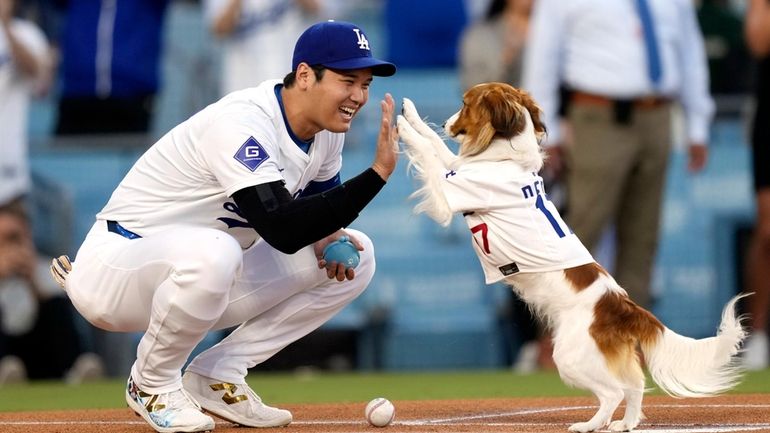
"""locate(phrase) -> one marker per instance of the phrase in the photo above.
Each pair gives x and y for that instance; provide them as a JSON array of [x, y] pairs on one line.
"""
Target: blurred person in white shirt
[[258, 35], [621, 92], [24, 72]]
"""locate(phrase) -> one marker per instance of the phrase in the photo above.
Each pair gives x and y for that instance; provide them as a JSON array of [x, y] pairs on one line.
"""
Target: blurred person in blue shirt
[[625, 64], [111, 51], [424, 34]]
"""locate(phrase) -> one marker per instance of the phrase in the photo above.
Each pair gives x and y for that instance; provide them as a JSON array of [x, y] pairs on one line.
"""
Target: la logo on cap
[[331, 44], [363, 43]]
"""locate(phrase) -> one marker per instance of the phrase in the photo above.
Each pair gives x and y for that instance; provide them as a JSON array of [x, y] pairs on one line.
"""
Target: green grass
[[282, 388]]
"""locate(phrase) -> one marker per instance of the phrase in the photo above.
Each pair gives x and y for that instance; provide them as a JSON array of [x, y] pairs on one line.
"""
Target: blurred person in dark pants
[[757, 32], [625, 64]]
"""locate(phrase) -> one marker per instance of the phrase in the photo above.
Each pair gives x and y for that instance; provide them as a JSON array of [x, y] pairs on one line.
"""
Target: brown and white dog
[[521, 240]]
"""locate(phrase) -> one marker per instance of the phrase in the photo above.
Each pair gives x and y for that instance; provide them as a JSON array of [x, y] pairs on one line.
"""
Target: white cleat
[[236, 403], [174, 411]]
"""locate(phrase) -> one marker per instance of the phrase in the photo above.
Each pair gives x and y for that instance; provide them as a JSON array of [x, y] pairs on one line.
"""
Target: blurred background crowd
[[663, 172]]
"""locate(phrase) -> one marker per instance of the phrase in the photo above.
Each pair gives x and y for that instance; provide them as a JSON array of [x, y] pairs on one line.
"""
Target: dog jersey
[[515, 228], [188, 176]]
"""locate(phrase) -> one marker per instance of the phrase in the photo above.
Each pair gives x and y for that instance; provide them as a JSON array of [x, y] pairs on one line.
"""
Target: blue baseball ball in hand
[[342, 251]]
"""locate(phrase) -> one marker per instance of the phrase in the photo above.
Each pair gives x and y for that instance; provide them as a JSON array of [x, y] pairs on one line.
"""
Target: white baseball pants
[[180, 284]]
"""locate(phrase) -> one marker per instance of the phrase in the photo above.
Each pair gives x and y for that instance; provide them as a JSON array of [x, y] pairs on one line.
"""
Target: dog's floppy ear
[[505, 113], [534, 113], [497, 115]]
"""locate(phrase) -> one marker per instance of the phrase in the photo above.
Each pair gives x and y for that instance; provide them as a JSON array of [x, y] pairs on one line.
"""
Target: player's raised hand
[[386, 155]]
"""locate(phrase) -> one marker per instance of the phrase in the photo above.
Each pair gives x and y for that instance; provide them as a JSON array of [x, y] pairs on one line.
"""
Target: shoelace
[[253, 394], [180, 399]]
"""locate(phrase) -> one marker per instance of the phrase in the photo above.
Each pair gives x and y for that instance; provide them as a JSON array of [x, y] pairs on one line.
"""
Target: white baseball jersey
[[188, 176], [16, 90], [515, 227]]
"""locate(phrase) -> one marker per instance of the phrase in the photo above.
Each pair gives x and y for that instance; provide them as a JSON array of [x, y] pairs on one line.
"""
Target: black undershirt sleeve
[[290, 224]]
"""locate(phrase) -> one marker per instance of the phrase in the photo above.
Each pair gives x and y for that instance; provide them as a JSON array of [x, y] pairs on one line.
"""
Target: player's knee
[[367, 264], [215, 264]]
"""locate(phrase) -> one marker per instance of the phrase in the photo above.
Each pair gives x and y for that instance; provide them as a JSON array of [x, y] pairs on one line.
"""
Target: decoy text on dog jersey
[[536, 188]]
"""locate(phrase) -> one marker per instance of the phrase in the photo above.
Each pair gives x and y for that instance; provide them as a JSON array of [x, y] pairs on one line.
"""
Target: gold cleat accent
[[152, 405], [230, 389]]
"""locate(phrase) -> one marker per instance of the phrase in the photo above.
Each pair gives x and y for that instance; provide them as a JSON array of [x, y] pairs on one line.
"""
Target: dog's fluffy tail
[[687, 367]]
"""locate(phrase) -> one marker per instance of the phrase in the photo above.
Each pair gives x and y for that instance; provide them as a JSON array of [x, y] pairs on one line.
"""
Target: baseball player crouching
[[222, 223]]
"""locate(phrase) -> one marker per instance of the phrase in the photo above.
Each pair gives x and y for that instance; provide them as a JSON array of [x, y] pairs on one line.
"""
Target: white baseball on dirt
[[380, 412]]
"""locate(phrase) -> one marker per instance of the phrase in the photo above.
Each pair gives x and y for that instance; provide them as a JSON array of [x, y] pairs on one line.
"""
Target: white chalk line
[[468, 421], [573, 408]]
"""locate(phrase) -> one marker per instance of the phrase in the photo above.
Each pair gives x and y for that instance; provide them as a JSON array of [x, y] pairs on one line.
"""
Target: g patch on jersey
[[251, 154]]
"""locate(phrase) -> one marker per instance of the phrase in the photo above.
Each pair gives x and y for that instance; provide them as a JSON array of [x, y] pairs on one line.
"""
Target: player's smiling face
[[338, 97]]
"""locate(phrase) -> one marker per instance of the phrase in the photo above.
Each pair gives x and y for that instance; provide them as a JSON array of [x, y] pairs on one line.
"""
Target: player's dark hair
[[291, 77]]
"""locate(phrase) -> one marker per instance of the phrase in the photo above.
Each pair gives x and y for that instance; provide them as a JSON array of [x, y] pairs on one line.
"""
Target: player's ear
[[304, 75]]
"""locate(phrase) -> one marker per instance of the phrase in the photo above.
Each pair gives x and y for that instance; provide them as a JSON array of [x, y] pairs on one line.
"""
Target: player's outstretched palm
[[386, 155]]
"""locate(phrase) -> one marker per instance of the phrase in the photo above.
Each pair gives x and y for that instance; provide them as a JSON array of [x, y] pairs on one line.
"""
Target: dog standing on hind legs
[[520, 238]]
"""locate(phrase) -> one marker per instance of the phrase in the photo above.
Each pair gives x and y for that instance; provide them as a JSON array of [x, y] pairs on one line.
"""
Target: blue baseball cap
[[338, 45]]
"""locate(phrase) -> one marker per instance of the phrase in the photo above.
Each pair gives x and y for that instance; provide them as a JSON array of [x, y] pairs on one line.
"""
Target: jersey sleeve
[[467, 191], [241, 150]]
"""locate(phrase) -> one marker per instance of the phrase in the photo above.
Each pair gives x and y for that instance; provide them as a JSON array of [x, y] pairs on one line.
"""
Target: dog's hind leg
[[632, 379], [586, 368], [609, 399], [633, 410]]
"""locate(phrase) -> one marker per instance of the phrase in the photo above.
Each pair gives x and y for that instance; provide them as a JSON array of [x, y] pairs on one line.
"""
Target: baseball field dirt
[[729, 413]]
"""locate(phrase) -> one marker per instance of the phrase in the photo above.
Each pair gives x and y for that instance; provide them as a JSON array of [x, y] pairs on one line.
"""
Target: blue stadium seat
[[441, 313], [87, 178]]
